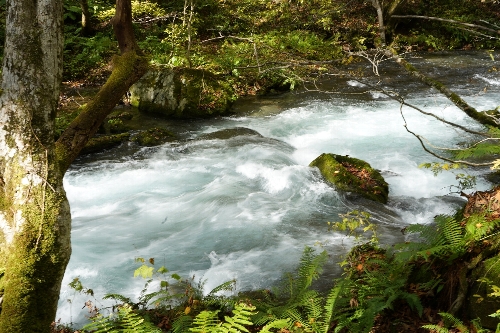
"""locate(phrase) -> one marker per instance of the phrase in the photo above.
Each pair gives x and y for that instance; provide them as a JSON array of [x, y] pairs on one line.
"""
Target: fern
[[208, 322], [450, 321], [275, 324], [182, 324], [205, 321], [125, 321], [241, 316], [445, 239]]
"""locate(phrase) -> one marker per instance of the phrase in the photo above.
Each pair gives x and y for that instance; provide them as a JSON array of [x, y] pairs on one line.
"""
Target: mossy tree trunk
[[35, 221], [34, 211], [129, 67]]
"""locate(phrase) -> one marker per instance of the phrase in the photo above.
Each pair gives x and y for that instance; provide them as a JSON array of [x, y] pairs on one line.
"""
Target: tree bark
[[393, 6], [35, 220], [34, 212], [129, 67], [86, 25], [380, 16], [481, 117]]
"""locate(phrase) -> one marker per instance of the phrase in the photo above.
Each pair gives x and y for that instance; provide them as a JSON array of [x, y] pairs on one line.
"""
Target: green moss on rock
[[101, 143], [183, 93], [154, 137], [352, 175], [229, 133]]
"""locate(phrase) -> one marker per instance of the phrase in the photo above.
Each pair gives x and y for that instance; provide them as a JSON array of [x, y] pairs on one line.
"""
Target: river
[[244, 208]]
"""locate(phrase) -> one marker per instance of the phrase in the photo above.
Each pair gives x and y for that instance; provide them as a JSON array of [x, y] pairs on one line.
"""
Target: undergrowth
[[376, 282]]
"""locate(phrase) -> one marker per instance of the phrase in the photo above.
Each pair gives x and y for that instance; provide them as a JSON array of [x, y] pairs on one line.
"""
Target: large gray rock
[[182, 93]]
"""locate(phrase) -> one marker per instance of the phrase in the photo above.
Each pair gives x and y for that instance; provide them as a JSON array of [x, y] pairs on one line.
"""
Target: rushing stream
[[244, 208]]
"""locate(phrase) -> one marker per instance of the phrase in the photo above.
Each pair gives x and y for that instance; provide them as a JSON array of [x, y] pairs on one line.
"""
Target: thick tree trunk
[[35, 218], [34, 212]]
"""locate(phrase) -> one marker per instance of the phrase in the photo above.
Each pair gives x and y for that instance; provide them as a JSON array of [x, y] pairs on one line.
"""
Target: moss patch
[[352, 175], [153, 137], [101, 143], [229, 133]]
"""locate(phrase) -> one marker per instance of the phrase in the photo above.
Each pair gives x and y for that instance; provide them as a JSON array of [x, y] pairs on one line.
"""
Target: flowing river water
[[245, 207]]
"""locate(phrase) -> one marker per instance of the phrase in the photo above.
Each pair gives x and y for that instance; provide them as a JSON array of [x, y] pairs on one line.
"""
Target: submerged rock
[[182, 93], [352, 175], [100, 143], [229, 133], [153, 137]]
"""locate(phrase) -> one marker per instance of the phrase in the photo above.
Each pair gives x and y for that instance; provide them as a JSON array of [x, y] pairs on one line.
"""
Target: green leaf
[[162, 270], [144, 271]]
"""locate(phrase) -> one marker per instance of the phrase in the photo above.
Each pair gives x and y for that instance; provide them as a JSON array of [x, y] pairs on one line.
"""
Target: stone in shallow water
[[350, 174], [229, 133]]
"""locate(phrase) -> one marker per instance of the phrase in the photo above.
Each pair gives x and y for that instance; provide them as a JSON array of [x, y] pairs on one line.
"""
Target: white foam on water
[[492, 81], [245, 207]]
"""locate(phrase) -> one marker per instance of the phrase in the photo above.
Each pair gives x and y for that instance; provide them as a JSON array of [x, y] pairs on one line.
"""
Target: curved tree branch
[[481, 117]]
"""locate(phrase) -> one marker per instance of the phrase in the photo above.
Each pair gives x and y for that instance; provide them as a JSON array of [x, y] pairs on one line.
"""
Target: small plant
[[356, 224], [451, 324]]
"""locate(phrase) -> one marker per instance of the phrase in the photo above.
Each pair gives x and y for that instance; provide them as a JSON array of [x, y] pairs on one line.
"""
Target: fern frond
[[226, 286], [279, 324], [133, 323], [436, 329], [413, 301], [451, 230], [311, 266], [334, 300], [205, 321], [241, 317], [117, 297], [450, 320], [100, 324], [182, 324]]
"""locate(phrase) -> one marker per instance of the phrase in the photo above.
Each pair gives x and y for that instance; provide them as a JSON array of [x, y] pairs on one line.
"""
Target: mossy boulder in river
[[182, 93], [103, 142], [153, 137], [352, 175], [229, 133]]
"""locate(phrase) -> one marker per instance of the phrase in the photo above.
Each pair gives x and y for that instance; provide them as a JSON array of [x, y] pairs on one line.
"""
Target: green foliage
[[124, 321], [208, 321], [140, 9], [84, 54], [356, 224], [450, 322]]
